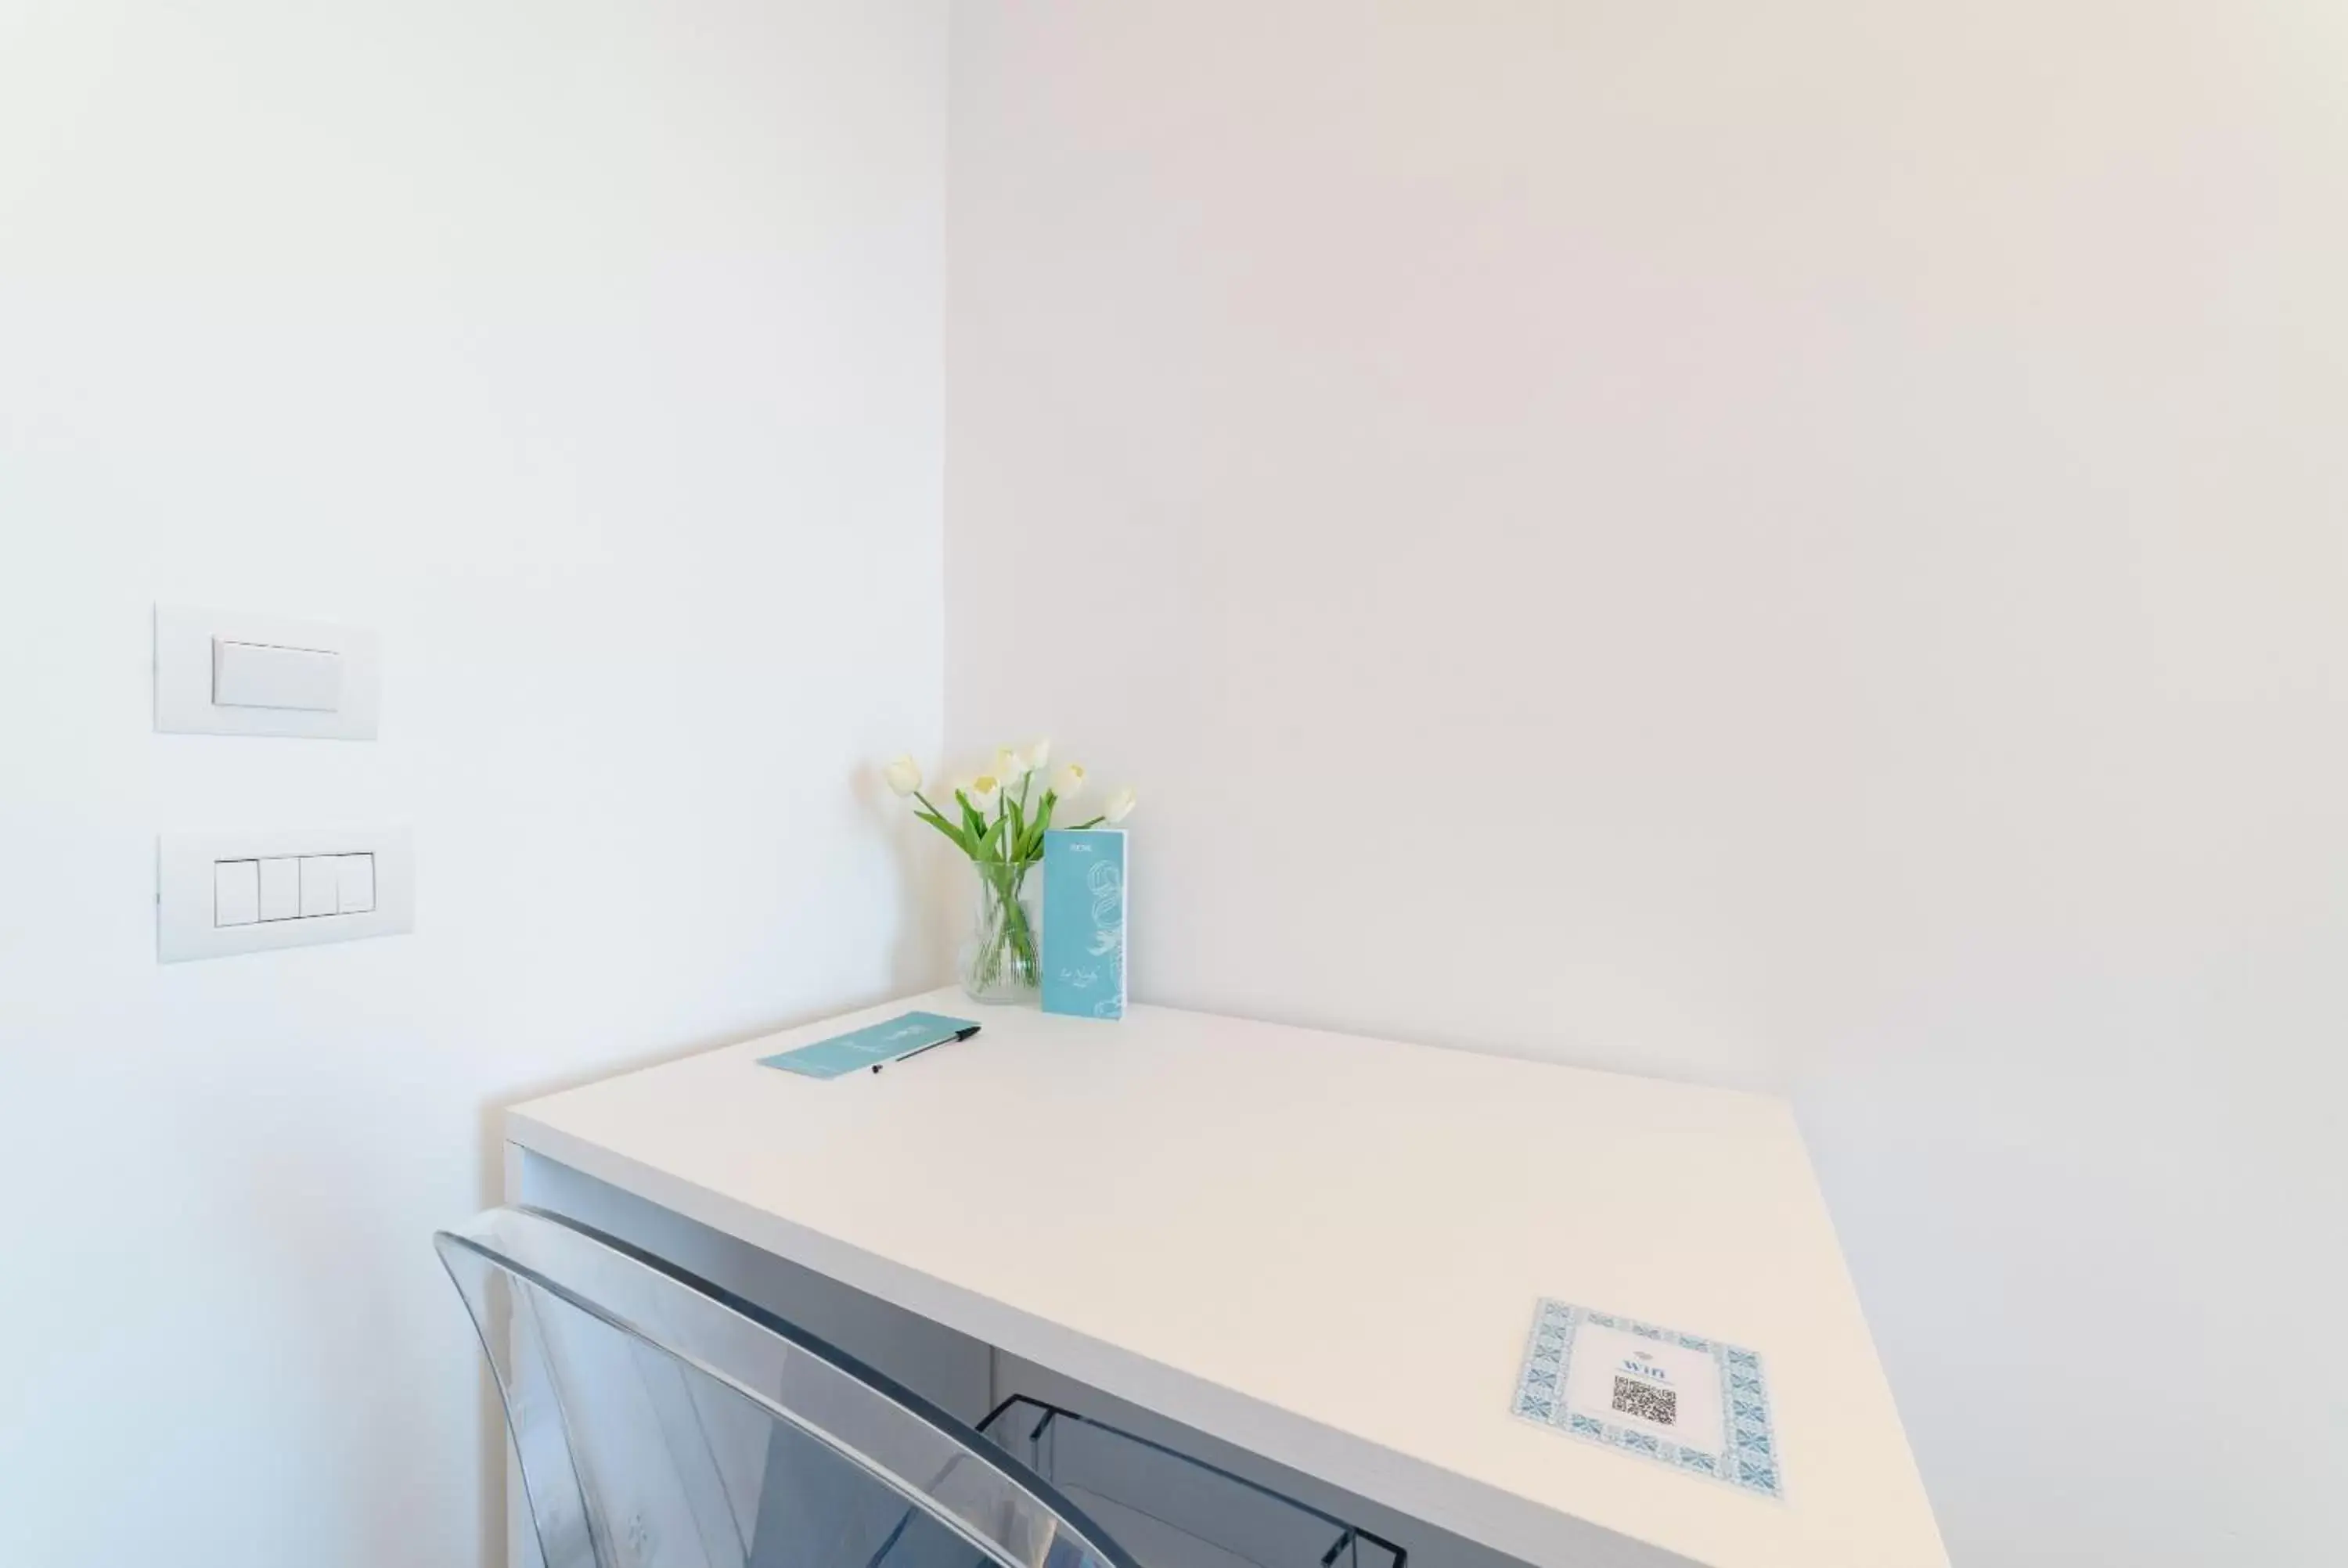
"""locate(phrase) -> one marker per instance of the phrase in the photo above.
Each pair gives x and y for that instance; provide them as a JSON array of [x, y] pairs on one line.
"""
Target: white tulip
[[1119, 807], [1070, 783], [981, 791], [1006, 765], [904, 776], [1037, 757]]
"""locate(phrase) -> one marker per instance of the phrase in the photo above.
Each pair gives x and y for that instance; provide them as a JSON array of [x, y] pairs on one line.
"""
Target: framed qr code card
[[1681, 1399]]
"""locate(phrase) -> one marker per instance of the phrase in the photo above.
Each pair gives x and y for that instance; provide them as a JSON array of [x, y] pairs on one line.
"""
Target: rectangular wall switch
[[225, 672], [236, 892], [281, 889], [223, 893], [354, 884], [261, 675], [321, 891]]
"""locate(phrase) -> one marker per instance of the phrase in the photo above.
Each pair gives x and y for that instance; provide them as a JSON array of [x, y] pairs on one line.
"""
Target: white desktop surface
[[1325, 1248]]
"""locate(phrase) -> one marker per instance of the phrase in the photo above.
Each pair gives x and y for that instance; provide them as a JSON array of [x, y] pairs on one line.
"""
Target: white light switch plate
[[225, 672], [188, 911]]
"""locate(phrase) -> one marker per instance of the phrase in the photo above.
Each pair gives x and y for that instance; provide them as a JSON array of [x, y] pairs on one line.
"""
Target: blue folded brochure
[[1084, 922]]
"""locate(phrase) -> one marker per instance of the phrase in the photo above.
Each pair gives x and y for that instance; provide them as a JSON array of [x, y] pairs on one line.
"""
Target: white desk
[[1323, 1249]]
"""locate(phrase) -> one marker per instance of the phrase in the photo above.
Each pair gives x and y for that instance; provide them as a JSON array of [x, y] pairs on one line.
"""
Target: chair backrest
[[661, 1422]]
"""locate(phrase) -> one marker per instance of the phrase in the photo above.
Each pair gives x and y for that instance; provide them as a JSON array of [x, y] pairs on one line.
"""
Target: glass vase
[[1000, 958]]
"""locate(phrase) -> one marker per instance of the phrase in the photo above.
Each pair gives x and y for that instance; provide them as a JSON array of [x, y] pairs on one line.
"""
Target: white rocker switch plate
[[226, 673], [223, 893]]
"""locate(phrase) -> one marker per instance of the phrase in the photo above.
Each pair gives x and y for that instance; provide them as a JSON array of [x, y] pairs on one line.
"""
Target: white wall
[[1801, 545], [590, 352]]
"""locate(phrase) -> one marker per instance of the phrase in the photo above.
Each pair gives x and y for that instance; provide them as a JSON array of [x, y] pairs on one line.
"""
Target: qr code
[[1644, 1400]]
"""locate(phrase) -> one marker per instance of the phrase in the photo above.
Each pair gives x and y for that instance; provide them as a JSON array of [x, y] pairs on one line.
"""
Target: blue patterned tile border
[[1748, 1456]]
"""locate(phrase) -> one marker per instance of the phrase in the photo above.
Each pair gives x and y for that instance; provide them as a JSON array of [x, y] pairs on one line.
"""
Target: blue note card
[[1084, 922], [883, 1042]]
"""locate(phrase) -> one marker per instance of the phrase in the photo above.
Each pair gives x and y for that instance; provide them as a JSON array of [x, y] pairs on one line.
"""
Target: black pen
[[958, 1034]]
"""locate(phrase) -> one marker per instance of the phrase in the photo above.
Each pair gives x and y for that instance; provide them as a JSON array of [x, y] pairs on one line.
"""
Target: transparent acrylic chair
[[661, 1422], [1170, 1510]]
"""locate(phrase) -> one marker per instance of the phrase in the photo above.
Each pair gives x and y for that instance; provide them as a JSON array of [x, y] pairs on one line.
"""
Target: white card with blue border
[[1693, 1403]]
